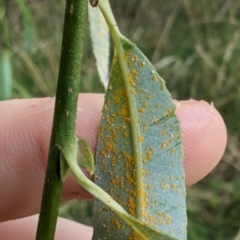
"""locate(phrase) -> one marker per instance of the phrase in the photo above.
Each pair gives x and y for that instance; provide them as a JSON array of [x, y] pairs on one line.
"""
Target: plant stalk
[[63, 130]]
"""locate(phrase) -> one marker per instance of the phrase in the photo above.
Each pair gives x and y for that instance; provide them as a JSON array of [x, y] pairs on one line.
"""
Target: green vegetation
[[193, 45]]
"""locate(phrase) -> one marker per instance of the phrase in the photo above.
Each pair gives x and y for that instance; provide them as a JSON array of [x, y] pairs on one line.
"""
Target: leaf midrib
[[118, 38]]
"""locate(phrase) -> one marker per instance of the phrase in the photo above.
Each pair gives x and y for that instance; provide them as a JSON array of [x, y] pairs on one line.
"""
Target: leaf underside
[[100, 41], [85, 156], [139, 153]]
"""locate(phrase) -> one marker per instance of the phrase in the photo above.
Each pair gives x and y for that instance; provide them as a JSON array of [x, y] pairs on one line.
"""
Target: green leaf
[[69, 155], [100, 41], [64, 168], [85, 156], [139, 159], [5, 76], [139, 154], [28, 23]]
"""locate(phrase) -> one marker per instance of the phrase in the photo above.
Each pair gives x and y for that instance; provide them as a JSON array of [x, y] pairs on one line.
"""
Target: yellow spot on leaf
[[134, 72], [128, 159], [165, 185], [149, 186], [144, 214], [129, 178], [144, 199], [144, 172], [163, 133], [126, 56], [164, 144], [145, 104], [148, 155], [116, 223], [142, 64], [170, 112], [116, 100], [172, 151], [131, 81], [123, 111], [140, 138], [131, 206], [128, 120], [134, 236], [141, 110], [164, 218], [149, 96], [125, 134], [103, 153]]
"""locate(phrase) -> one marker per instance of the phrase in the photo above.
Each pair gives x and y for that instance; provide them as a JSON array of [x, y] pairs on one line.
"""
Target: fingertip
[[24, 142], [26, 228], [204, 136]]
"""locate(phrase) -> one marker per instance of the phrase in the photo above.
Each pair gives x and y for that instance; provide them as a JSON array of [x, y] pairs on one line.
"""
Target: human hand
[[25, 128]]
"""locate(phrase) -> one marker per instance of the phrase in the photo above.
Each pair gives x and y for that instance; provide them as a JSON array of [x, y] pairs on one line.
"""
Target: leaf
[[28, 23], [69, 157], [5, 75], [64, 168], [139, 159], [85, 156], [139, 154], [100, 42]]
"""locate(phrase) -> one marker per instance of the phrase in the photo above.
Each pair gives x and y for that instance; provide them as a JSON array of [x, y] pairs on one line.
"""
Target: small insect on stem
[[94, 3]]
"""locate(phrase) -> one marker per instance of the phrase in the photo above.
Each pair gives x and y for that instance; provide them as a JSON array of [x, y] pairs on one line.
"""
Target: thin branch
[[63, 130]]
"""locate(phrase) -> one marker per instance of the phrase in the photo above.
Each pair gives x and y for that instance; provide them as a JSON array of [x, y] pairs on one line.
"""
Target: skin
[[25, 128]]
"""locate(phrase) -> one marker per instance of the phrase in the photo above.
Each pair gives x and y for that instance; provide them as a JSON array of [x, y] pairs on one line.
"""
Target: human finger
[[24, 140], [204, 138], [26, 228]]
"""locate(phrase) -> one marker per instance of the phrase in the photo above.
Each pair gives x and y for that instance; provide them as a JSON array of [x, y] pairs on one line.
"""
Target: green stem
[[63, 130]]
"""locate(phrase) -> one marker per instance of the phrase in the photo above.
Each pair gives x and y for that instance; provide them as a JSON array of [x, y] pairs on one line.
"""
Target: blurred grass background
[[194, 45]]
